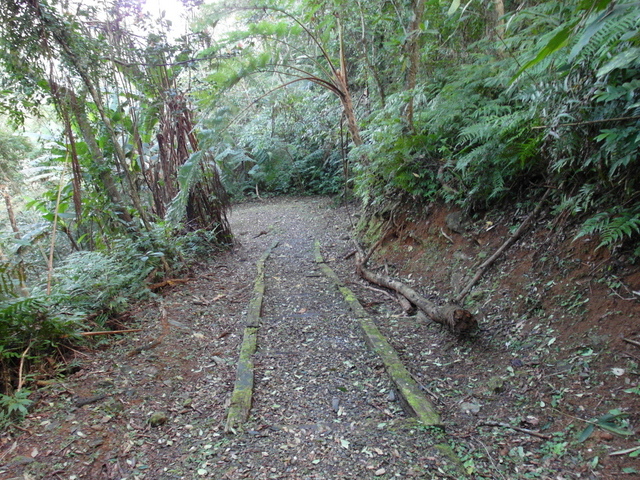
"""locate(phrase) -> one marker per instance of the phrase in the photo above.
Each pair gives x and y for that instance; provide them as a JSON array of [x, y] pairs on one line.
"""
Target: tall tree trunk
[[10, 212], [413, 51], [89, 138]]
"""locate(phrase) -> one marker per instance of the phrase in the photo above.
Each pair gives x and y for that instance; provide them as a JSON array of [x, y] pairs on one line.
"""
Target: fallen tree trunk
[[454, 317]]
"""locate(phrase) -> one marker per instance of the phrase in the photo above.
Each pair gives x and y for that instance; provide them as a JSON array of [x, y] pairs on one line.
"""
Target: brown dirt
[[549, 357]]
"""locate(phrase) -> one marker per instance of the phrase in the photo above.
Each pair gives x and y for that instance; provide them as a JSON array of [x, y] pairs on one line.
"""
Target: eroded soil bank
[[549, 359]]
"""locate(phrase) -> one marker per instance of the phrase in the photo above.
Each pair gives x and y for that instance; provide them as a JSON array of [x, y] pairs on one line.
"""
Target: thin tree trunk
[[345, 97], [20, 271], [77, 196], [96, 153], [370, 66], [10, 212], [499, 11], [413, 48], [82, 70]]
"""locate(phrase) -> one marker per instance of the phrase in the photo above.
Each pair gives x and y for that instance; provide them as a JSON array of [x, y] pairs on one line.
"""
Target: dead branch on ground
[[454, 317], [510, 241], [110, 332], [631, 342], [517, 429], [168, 283], [164, 323]]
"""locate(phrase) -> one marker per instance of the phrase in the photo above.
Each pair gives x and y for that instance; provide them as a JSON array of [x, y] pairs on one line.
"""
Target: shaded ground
[[549, 358]]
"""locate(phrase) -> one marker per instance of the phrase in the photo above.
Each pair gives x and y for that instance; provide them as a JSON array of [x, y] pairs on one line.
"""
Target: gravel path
[[323, 405]]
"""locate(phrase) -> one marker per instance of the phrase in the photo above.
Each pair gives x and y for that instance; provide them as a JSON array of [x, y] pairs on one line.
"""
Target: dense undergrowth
[[484, 138], [545, 97], [41, 325]]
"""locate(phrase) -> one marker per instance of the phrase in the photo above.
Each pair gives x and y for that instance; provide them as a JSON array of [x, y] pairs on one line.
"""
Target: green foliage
[[570, 120], [319, 172], [614, 421], [13, 149], [94, 281], [14, 406], [613, 225]]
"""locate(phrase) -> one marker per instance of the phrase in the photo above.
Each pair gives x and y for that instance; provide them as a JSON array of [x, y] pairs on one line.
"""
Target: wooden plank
[[240, 403], [413, 400]]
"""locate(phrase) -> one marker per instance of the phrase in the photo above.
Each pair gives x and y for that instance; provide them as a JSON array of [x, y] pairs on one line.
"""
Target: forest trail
[[153, 405]]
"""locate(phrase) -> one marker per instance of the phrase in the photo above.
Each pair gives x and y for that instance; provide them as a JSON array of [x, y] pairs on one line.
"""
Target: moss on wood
[[243, 389], [414, 402]]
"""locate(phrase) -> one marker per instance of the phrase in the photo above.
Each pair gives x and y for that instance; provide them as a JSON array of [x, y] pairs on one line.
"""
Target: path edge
[[413, 400]]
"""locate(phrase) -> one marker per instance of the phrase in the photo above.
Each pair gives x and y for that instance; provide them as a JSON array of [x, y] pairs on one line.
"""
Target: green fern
[[613, 226], [12, 309], [621, 227]]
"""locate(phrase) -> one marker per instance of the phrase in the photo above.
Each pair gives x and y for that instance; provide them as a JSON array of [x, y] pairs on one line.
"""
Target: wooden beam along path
[[243, 389], [413, 400]]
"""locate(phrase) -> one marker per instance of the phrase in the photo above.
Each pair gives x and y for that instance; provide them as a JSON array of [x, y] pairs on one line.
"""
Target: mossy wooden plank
[[348, 295], [255, 305], [412, 398], [243, 389], [242, 395]]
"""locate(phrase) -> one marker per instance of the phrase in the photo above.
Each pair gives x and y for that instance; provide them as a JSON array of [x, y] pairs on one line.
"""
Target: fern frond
[[14, 308], [618, 229], [613, 226]]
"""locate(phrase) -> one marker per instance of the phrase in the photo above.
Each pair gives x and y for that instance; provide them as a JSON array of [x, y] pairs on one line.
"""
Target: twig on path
[[169, 283], [350, 254], [628, 355], [379, 290], [495, 466], [625, 451], [110, 332], [22, 429], [446, 236], [422, 387], [632, 342], [517, 429], [164, 323]]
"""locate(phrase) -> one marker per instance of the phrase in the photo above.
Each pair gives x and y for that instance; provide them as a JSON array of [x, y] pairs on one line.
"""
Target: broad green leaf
[[586, 433], [558, 41], [589, 32], [620, 61], [615, 428], [596, 6], [454, 6]]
